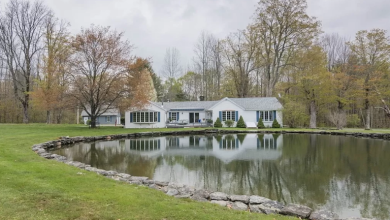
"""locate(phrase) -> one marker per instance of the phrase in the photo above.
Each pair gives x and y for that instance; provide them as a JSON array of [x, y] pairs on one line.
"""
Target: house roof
[[107, 113], [263, 103], [258, 103], [186, 106]]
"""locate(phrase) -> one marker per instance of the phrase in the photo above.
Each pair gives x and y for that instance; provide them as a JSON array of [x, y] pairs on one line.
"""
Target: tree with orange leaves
[[139, 84]]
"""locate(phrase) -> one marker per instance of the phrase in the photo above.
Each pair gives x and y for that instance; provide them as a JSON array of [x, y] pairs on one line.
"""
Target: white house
[[195, 113]]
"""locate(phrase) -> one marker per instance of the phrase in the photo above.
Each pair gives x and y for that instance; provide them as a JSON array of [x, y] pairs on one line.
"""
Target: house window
[[108, 118], [173, 116], [228, 115], [144, 117], [266, 115]]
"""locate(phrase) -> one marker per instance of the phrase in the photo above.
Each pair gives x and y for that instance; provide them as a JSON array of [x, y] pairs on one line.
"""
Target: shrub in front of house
[[218, 123], [241, 123], [229, 123], [260, 124], [275, 124]]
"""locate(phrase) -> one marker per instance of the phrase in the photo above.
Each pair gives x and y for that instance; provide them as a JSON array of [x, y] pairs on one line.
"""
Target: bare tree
[[240, 63], [21, 30], [216, 66], [337, 51], [99, 70], [202, 60], [171, 66]]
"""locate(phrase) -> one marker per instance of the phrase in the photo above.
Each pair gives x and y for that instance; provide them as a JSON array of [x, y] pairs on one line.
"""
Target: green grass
[[32, 187]]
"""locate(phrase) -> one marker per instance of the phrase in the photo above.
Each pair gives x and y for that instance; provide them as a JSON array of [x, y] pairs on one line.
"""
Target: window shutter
[[274, 115], [177, 116], [236, 143], [258, 143], [220, 115], [257, 116], [158, 117], [236, 115], [131, 117], [170, 116]]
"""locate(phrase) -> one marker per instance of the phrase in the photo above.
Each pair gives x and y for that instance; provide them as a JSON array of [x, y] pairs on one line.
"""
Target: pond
[[347, 175]]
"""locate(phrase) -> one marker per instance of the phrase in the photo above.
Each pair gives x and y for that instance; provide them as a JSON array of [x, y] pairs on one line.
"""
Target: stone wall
[[253, 203]]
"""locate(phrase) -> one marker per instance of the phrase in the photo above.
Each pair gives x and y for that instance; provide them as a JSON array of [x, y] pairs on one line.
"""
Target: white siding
[[226, 105], [161, 124], [248, 116]]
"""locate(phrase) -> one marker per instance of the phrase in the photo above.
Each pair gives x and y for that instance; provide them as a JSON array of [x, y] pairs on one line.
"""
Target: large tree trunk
[[313, 115], [48, 117], [342, 117], [59, 116], [93, 121], [367, 125], [25, 105], [268, 87]]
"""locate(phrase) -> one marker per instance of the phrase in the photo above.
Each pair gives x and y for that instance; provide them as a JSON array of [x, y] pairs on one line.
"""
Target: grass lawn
[[32, 187]]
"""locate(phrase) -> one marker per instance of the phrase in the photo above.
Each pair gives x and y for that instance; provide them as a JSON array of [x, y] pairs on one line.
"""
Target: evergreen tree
[[241, 123], [218, 123], [275, 124], [260, 124]]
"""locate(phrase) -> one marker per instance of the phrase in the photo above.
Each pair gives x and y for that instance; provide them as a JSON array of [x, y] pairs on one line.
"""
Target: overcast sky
[[152, 26]]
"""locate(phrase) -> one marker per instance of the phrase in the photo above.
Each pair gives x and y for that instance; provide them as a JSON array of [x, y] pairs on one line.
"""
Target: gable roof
[[258, 103]]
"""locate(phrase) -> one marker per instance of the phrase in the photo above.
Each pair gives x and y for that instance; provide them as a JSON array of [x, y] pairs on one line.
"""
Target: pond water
[[348, 175]]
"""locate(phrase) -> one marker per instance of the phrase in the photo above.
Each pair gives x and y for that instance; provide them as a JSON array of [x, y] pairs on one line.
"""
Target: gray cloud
[[154, 25]]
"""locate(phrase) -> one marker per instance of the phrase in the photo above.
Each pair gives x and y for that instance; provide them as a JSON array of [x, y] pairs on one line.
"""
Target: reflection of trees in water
[[338, 172], [241, 137], [332, 171], [112, 157], [315, 170]]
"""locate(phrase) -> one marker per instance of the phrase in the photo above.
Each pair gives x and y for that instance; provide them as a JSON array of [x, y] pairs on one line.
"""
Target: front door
[[194, 117]]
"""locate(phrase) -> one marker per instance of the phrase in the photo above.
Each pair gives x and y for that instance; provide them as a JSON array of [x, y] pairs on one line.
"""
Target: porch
[[185, 124]]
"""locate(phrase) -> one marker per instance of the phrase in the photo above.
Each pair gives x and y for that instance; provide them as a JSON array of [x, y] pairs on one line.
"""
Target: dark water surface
[[348, 175]]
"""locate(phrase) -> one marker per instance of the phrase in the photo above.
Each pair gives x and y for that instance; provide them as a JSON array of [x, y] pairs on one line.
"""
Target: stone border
[[252, 203]]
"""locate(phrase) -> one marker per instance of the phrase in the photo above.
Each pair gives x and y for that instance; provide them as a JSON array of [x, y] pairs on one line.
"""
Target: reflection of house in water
[[227, 148], [145, 144]]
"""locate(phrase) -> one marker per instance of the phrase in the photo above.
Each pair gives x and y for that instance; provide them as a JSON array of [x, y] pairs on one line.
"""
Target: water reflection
[[347, 175]]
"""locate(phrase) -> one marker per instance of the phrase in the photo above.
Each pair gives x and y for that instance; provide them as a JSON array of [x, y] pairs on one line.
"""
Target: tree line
[[323, 79], [47, 73]]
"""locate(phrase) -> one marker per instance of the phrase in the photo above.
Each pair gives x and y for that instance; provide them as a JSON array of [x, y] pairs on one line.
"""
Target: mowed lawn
[[32, 187]]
